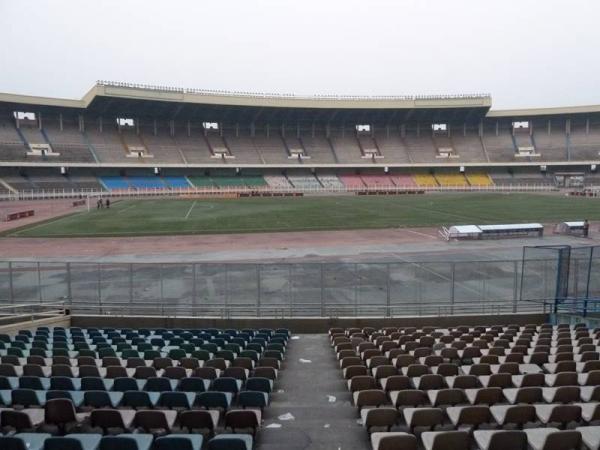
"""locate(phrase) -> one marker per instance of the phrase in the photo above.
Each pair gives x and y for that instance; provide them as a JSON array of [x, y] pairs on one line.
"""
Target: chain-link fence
[[272, 290]]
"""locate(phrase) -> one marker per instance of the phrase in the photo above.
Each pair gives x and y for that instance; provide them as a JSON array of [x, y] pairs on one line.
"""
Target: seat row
[[59, 416], [535, 439], [138, 441]]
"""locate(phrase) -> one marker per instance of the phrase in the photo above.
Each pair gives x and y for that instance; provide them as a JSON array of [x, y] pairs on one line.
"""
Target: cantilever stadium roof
[[122, 99], [117, 99]]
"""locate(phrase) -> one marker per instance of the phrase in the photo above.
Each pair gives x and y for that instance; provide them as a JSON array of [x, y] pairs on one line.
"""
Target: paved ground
[[401, 244], [318, 424]]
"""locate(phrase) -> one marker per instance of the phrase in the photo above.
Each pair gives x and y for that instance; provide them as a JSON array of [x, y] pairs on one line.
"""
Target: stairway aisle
[[320, 422]]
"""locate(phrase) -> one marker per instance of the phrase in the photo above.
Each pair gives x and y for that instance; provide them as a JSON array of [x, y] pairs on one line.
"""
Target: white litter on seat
[[280, 391], [331, 398], [295, 337], [305, 361], [286, 416], [273, 425], [326, 425]]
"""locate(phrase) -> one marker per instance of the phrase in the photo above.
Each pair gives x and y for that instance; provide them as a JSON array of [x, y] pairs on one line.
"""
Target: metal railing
[[50, 194], [273, 290]]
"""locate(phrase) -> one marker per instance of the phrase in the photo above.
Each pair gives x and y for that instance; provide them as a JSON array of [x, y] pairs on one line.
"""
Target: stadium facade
[[121, 137]]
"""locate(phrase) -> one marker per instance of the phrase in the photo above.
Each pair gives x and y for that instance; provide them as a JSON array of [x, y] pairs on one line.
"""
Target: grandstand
[[110, 130]]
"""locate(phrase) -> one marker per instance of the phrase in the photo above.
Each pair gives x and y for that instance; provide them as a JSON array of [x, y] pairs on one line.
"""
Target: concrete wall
[[32, 325], [308, 325]]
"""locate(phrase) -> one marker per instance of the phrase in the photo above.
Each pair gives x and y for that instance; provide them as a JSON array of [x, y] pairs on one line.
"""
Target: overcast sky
[[526, 53]]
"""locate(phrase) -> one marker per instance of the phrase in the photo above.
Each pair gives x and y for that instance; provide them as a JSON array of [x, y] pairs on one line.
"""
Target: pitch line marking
[[190, 210], [126, 209]]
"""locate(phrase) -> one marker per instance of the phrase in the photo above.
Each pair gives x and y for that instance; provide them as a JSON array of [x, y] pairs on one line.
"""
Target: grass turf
[[170, 217]]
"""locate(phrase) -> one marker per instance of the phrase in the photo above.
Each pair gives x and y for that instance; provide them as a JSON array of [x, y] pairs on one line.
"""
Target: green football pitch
[[170, 216]]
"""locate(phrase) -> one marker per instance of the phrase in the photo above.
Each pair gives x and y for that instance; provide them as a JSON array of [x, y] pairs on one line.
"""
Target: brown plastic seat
[[501, 439], [152, 420], [362, 383], [370, 397], [61, 360], [552, 439], [86, 361], [423, 417], [265, 372], [393, 441], [447, 369], [445, 440], [177, 373], [353, 371], [395, 383], [501, 380], [480, 369], [473, 416], [447, 397], [487, 396], [466, 382], [115, 372], [242, 419], [20, 421], [111, 418], [199, 420], [384, 417], [161, 363], [404, 360], [62, 370], [189, 363], [208, 373], [33, 370], [566, 379], [246, 363], [39, 360], [89, 371], [134, 363], [430, 381], [108, 361], [60, 412], [144, 372], [415, 370], [239, 373], [409, 397]]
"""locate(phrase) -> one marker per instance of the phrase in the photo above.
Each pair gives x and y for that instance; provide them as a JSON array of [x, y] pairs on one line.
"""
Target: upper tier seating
[[319, 149], [347, 149], [472, 384], [392, 147]]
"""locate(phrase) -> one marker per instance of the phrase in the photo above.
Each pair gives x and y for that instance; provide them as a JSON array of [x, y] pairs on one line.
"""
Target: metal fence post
[[290, 290], [194, 292], [388, 297], [453, 269], [322, 290], [39, 283], [162, 294], [130, 287], [258, 287], [356, 287], [515, 285], [99, 287], [11, 291], [69, 287]]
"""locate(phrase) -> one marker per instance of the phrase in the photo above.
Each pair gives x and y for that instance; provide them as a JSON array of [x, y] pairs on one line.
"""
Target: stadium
[[203, 269]]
